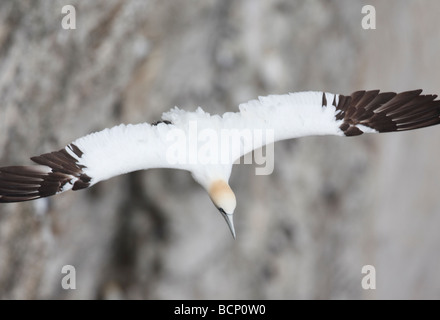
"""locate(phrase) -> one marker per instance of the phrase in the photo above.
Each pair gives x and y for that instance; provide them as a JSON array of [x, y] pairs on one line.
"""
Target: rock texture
[[331, 206]]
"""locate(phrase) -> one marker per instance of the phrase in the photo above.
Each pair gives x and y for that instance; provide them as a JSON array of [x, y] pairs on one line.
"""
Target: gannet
[[169, 143]]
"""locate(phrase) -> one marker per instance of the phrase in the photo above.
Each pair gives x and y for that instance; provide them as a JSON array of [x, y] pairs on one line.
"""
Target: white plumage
[[208, 145]]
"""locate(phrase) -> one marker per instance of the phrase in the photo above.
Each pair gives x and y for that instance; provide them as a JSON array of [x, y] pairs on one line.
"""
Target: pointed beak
[[229, 218]]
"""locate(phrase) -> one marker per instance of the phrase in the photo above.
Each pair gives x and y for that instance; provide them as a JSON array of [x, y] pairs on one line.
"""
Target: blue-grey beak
[[229, 218]]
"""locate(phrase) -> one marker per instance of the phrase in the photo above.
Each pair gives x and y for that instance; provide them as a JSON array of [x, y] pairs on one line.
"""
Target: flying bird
[[169, 143]]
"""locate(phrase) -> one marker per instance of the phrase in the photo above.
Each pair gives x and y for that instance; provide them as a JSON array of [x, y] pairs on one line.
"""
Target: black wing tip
[[53, 174], [387, 111], [13, 199], [25, 183]]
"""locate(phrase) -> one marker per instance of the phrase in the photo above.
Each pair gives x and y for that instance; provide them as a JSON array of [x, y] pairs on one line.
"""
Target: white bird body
[[128, 148], [208, 145]]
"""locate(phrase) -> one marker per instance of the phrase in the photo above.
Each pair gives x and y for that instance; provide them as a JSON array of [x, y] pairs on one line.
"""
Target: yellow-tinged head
[[224, 199]]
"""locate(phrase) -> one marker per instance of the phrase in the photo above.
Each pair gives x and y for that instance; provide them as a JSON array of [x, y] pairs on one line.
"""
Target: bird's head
[[224, 199]]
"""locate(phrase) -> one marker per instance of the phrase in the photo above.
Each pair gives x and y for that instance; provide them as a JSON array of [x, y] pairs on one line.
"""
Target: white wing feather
[[285, 116], [126, 148], [123, 149]]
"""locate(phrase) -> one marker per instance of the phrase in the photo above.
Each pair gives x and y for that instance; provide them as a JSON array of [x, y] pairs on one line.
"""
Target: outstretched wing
[[386, 112], [86, 161], [127, 148], [318, 113]]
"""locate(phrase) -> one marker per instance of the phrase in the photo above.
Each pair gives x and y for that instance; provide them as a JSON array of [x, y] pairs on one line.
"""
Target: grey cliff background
[[331, 206]]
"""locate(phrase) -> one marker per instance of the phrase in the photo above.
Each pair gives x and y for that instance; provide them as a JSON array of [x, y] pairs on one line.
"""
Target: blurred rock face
[[331, 206]]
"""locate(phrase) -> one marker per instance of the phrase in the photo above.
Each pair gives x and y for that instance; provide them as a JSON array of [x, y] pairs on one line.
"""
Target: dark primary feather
[[387, 111], [55, 170], [383, 112]]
